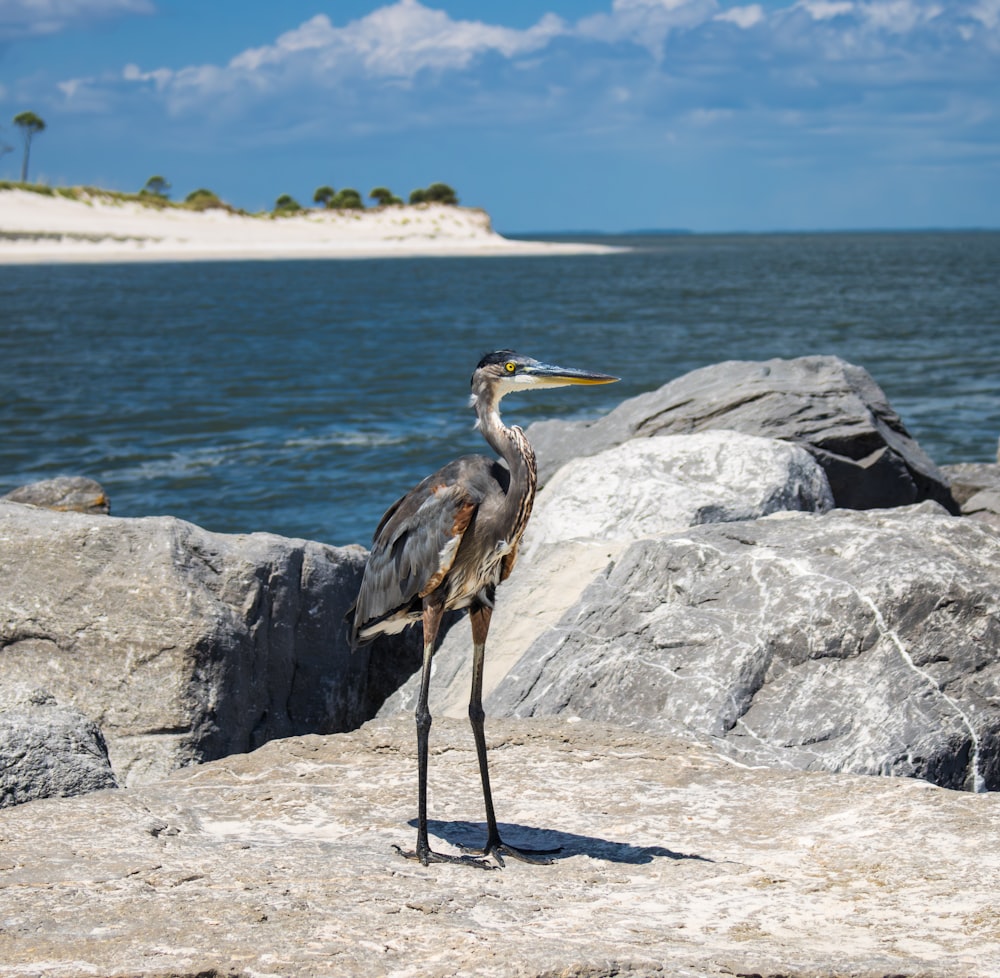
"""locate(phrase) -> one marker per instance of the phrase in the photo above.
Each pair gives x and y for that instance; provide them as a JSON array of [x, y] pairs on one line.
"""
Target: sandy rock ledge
[[675, 862]]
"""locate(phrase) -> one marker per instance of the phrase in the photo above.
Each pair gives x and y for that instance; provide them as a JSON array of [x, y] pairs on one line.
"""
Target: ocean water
[[303, 397]]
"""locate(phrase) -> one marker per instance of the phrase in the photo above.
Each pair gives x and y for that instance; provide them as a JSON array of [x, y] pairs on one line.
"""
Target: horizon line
[[688, 232]]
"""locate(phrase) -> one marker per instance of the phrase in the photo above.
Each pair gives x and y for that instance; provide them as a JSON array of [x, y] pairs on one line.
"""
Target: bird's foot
[[498, 849], [425, 856]]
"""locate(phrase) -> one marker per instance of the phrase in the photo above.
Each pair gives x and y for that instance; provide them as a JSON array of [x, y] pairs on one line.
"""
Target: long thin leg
[[480, 616], [432, 614]]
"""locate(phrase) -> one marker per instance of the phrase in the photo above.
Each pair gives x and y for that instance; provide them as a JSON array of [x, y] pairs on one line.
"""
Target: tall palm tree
[[30, 125]]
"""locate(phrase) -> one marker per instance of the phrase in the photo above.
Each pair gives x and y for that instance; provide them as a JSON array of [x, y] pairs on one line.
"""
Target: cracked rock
[[673, 861], [180, 644], [47, 750], [860, 642], [832, 408]]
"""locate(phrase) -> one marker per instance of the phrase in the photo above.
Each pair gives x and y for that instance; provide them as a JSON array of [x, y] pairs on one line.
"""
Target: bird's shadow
[[567, 844]]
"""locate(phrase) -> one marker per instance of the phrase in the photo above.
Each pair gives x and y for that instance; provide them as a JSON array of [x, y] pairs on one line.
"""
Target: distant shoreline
[[774, 233], [40, 228]]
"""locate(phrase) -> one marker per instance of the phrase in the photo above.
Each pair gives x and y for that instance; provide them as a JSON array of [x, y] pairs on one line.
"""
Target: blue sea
[[303, 397]]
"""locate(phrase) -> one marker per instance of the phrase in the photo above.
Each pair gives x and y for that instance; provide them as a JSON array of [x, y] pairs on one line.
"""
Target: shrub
[[202, 200], [286, 204], [348, 199], [441, 193], [156, 186], [436, 193], [384, 197], [324, 195]]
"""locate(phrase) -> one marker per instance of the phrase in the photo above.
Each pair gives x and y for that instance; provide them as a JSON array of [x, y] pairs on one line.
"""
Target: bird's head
[[505, 371]]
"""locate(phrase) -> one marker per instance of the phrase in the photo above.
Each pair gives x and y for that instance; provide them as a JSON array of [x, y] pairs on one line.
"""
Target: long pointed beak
[[547, 375]]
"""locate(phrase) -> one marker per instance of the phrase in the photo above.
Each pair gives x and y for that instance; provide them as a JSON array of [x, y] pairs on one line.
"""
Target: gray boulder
[[64, 493], [47, 750], [650, 486], [180, 644], [984, 506], [830, 407], [591, 510], [976, 488], [861, 642], [968, 478]]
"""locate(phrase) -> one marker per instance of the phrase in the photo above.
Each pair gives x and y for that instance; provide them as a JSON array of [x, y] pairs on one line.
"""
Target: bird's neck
[[515, 449]]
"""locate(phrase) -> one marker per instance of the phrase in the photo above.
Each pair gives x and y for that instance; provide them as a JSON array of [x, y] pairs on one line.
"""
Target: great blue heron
[[447, 544]]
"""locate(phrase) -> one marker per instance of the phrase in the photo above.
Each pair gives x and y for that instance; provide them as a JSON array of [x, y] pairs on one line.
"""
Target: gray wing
[[415, 545]]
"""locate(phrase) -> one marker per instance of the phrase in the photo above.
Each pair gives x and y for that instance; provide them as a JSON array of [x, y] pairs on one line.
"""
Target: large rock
[[861, 642], [47, 750], [984, 506], [65, 493], [180, 644], [674, 862], [591, 510], [651, 486], [830, 407], [976, 488], [969, 478]]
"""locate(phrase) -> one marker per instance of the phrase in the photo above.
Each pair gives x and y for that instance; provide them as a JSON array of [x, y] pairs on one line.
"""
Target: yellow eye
[[510, 366]]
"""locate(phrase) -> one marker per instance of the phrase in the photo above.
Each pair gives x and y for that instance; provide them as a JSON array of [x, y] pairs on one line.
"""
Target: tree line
[[158, 188]]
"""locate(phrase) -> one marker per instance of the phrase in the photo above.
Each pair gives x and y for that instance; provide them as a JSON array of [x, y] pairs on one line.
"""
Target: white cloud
[[72, 86], [30, 18], [987, 12], [744, 17], [826, 9], [898, 16], [160, 77], [385, 71], [393, 45], [647, 23], [398, 41]]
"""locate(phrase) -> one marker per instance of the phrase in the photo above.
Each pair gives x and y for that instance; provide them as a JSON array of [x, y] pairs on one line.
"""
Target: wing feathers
[[416, 544]]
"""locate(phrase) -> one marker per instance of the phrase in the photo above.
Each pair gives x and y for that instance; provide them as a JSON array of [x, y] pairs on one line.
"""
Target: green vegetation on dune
[[199, 200], [155, 194]]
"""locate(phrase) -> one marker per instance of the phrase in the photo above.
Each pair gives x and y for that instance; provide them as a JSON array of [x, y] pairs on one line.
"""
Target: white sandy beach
[[37, 228]]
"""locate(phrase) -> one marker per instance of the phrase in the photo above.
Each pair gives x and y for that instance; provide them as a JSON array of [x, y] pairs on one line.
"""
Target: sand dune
[[37, 228]]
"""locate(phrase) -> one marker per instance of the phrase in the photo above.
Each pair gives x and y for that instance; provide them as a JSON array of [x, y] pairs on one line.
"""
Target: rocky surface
[[976, 488], [180, 644], [591, 510], [859, 643], [984, 506], [72, 493], [743, 657], [650, 486], [831, 407], [47, 750], [856, 641], [862, 642], [674, 862], [968, 478]]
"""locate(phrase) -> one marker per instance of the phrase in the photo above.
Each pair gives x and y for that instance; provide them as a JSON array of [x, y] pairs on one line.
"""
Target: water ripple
[[304, 397]]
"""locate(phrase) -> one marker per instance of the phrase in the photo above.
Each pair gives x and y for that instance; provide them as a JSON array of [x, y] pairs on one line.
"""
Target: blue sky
[[604, 114]]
